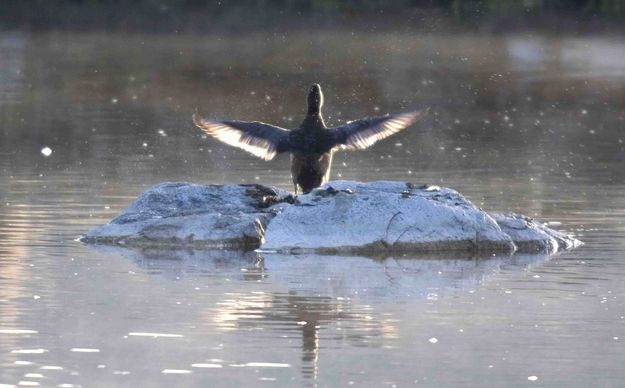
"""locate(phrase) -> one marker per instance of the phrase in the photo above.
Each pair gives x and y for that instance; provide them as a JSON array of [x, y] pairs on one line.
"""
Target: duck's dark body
[[312, 144], [311, 157], [310, 171]]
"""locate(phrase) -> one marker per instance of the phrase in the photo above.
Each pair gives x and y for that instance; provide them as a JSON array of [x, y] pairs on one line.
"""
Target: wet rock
[[190, 215], [355, 217], [531, 236], [346, 216], [341, 217]]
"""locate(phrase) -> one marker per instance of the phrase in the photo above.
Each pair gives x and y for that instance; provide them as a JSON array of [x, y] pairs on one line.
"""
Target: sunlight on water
[[155, 335]]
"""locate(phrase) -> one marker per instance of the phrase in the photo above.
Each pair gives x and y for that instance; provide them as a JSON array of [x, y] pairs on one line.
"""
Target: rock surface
[[531, 236], [352, 216], [184, 214], [340, 217]]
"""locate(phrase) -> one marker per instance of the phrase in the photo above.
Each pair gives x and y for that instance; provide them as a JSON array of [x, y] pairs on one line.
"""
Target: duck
[[312, 144]]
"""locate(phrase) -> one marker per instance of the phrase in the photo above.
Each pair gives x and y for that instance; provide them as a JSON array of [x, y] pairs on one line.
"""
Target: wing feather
[[361, 134], [259, 139]]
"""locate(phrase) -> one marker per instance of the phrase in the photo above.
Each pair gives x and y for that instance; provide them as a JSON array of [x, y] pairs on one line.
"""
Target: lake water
[[532, 124]]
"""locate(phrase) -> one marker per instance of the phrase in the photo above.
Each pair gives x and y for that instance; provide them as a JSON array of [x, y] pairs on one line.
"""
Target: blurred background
[[246, 15], [111, 85]]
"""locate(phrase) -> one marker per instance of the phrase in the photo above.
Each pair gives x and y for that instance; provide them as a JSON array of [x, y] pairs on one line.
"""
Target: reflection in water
[[309, 306], [290, 314]]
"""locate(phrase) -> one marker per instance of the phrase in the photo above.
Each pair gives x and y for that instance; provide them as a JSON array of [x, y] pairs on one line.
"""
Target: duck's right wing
[[259, 139]]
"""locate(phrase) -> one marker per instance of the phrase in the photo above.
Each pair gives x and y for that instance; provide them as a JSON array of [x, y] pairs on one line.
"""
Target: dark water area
[[527, 123]]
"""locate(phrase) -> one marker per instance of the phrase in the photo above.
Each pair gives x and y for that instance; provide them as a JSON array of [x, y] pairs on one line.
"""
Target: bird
[[312, 144]]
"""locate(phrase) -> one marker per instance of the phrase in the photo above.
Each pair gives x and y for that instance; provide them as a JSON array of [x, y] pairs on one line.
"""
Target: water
[[532, 124]]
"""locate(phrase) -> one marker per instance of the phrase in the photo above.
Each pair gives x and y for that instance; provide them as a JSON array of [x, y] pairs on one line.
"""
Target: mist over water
[[526, 123]]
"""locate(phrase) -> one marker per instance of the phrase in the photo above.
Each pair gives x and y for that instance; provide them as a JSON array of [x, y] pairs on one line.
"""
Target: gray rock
[[345, 216], [190, 215], [531, 236], [341, 217]]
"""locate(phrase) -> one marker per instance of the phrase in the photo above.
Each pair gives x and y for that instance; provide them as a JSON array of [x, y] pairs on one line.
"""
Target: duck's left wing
[[360, 134], [260, 139]]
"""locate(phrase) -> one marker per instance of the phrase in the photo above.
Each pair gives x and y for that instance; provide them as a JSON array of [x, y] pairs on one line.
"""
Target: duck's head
[[315, 99]]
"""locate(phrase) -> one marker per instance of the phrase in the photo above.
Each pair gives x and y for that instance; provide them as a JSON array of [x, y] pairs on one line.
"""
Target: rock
[[340, 217], [190, 215], [531, 236], [346, 216]]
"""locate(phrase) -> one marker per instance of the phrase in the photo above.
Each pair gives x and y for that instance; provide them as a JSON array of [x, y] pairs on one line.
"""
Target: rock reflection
[[390, 277], [174, 264], [359, 277], [318, 298]]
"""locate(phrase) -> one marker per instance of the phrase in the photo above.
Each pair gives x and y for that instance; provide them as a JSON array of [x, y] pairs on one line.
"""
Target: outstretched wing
[[260, 139], [360, 134]]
